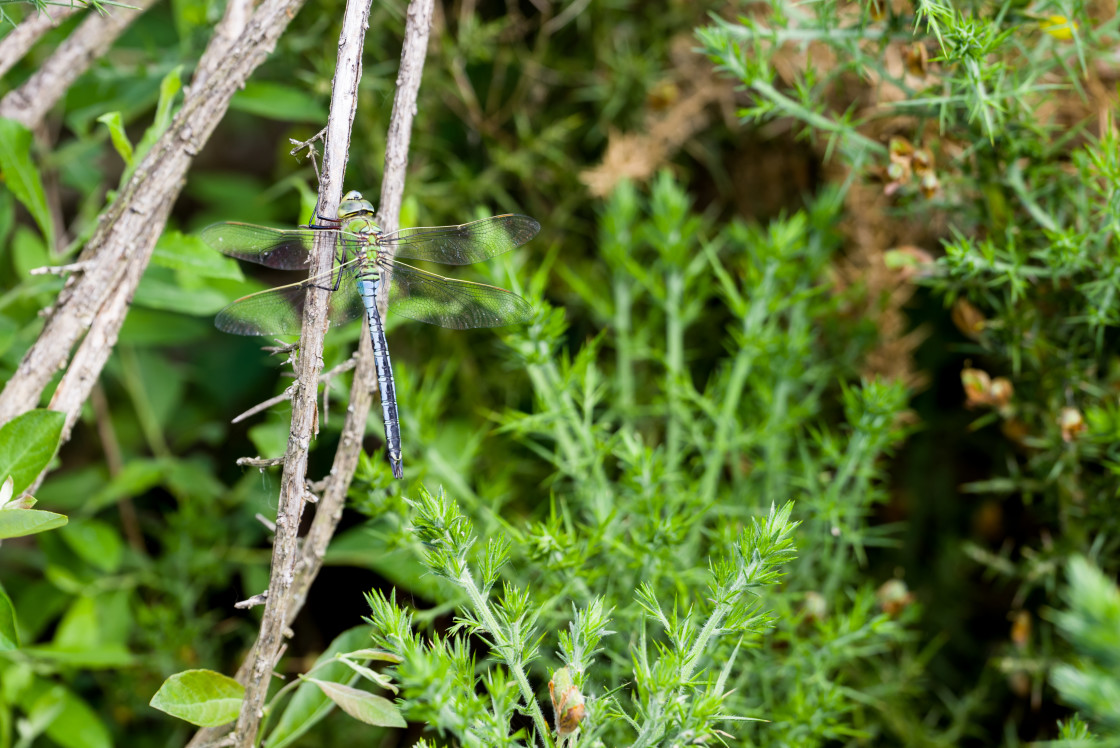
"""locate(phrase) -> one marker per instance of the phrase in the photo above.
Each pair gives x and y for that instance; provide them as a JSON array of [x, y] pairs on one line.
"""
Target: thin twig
[[23, 37], [262, 659], [73, 267], [325, 379], [418, 25], [259, 462], [337, 481], [96, 300], [309, 146], [265, 405], [258, 599]]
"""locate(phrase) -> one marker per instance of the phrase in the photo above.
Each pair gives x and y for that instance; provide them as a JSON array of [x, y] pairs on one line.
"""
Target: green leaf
[[15, 523], [96, 542], [27, 444], [270, 438], [79, 627], [201, 697], [112, 120], [77, 725], [101, 657], [179, 251], [144, 327], [362, 705], [9, 631], [277, 101], [163, 289], [28, 252], [309, 704], [21, 176], [7, 219], [69, 721], [374, 654], [169, 87]]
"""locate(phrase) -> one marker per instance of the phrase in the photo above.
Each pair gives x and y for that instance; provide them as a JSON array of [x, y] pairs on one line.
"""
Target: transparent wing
[[279, 311], [462, 244], [455, 304], [283, 249]]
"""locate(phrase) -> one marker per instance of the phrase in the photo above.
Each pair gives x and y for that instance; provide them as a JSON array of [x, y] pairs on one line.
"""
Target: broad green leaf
[[7, 219], [309, 704], [380, 680], [9, 631], [277, 101], [79, 627], [373, 654], [72, 723], [121, 143], [27, 444], [179, 251], [15, 523], [270, 438], [96, 542], [39, 603], [153, 327], [201, 697], [361, 705], [29, 251], [21, 176], [164, 289], [101, 657], [8, 328]]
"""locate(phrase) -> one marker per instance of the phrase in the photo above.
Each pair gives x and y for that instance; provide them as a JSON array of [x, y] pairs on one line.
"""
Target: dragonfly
[[366, 261]]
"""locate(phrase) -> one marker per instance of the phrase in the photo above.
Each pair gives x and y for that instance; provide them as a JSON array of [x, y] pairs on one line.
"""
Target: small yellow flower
[[1059, 27]]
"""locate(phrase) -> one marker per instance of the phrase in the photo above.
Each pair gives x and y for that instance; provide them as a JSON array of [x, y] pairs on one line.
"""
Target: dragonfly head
[[353, 206]]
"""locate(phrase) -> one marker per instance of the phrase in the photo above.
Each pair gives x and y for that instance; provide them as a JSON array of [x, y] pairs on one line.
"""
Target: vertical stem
[[624, 356], [674, 363], [504, 646]]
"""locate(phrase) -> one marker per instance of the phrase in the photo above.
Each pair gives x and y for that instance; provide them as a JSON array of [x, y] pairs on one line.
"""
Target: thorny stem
[[506, 649]]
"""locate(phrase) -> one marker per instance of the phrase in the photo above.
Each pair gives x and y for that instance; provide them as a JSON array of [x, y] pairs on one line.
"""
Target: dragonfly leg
[[329, 224]]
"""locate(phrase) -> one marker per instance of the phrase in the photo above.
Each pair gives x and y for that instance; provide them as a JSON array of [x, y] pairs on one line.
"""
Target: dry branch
[[23, 37], [122, 244], [29, 103], [256, 672], [329, 511]]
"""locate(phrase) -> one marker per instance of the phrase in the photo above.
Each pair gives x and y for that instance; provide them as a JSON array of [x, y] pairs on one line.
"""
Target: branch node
[[253, 601], [259, 462]]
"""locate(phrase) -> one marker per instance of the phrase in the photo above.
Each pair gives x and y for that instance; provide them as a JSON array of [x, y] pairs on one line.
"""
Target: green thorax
[[355, 214]]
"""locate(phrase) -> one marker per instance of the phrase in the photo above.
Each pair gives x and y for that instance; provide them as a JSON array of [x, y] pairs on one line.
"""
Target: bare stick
[[255, 672], [338, 480], [260, 462], [417, 27], [252, 602], [73, 267], [29, 103], [324, 378], [23, 37], [329, 511]]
